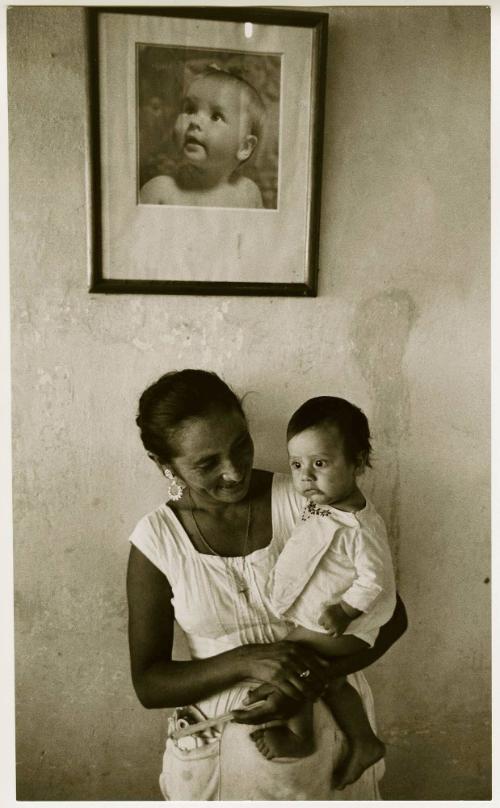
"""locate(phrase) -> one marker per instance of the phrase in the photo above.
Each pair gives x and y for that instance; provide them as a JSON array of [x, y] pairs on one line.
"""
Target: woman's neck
[[229, 529]]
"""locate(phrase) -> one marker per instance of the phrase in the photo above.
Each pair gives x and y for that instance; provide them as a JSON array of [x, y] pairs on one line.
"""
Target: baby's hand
[[334, 619]]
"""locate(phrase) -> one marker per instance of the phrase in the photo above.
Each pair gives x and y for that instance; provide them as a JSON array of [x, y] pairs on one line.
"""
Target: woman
[[203, 559]]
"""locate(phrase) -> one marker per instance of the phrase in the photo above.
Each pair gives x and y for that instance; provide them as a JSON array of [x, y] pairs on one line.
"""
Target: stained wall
[[400, 326]]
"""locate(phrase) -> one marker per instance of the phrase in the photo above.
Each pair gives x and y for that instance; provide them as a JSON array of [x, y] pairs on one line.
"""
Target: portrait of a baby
[[208, 127]]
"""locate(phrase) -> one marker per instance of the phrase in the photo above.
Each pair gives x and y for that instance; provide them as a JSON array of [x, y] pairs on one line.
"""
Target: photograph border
[[318, 22]]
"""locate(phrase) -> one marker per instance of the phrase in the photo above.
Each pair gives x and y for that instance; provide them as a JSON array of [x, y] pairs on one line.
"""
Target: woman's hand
[[275, 706], [289, 667]]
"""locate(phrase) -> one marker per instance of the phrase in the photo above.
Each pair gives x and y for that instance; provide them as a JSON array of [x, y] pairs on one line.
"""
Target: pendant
[[240, 582]]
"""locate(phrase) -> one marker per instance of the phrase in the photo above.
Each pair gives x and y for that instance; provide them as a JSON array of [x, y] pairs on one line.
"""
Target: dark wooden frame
[[296, 18]]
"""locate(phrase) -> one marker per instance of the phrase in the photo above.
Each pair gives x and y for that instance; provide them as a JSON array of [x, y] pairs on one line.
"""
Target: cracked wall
[[400, 327]]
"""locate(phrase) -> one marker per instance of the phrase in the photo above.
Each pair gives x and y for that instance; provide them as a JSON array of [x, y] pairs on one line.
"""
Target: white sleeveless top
[[216, 617]]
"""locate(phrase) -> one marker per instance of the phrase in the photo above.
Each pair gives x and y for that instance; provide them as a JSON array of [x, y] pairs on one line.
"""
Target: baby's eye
[[294, 465], [188, 107], [319, 463], [217, 116]]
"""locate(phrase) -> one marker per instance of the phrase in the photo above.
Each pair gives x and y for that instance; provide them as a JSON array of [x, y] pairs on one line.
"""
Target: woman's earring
[[175, 487]]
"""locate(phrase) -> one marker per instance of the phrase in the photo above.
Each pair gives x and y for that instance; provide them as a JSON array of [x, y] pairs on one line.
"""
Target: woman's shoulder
[[283, 487], [156, 535], [287, 504], [155, 517]]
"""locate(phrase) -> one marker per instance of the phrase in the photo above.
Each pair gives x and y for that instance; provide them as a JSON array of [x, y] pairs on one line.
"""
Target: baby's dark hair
[[352, 424], [256, 108], [175, 398]]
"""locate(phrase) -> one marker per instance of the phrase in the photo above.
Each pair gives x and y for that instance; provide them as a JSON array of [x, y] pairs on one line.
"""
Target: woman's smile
[[215, 456], [235, 488]]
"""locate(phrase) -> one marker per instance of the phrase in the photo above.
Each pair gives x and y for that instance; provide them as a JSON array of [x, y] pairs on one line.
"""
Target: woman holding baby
[[204, 558]]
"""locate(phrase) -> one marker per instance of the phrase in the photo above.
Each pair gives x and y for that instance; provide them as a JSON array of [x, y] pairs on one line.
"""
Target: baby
[[334, 579], [217, 129]]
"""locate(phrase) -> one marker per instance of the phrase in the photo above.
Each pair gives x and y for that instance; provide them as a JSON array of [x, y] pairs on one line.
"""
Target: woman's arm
[[387, 636], [160, 682], [280, 706]]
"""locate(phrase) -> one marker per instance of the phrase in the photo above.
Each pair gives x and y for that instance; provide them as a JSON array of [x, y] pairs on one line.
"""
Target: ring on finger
[[305, 674]]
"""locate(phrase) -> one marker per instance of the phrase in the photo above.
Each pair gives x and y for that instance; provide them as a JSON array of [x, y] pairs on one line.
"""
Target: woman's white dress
[[215, 617]]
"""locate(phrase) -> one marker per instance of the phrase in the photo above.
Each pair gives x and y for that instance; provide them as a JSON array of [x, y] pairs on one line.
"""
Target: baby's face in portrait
[[213, 130]]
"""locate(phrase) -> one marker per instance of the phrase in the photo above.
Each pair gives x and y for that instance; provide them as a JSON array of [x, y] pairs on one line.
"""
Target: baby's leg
[[365, 748], [346, 706], [293, 739]]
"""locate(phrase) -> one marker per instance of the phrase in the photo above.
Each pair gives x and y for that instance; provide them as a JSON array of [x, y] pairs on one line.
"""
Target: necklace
[[239, 578]]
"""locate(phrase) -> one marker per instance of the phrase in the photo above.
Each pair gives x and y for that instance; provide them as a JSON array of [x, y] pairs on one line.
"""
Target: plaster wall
[[400, 327]]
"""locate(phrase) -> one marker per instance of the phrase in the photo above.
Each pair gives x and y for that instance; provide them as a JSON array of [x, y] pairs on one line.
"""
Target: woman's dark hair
[[352, 424], [176, 397]]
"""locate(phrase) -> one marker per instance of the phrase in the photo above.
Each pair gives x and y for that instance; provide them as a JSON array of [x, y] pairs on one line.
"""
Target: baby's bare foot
[[276, 742], [360, 756]]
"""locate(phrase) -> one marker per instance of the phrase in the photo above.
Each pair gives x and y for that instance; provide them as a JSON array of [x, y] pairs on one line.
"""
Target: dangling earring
[[175, 487]]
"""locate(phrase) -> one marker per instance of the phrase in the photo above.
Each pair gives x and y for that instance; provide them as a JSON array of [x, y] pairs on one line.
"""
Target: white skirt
[[230, 767]]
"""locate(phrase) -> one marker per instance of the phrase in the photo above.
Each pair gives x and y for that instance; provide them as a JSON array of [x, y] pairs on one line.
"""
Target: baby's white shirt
[[335, 555]]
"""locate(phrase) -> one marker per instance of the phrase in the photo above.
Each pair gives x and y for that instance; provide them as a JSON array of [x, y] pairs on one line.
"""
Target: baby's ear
[[247, 147]]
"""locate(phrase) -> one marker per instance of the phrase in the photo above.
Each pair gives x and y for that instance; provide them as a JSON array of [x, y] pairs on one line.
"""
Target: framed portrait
[[206, 130]]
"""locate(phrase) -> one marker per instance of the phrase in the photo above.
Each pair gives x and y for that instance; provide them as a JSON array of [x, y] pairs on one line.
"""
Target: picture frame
[[206, 134]]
